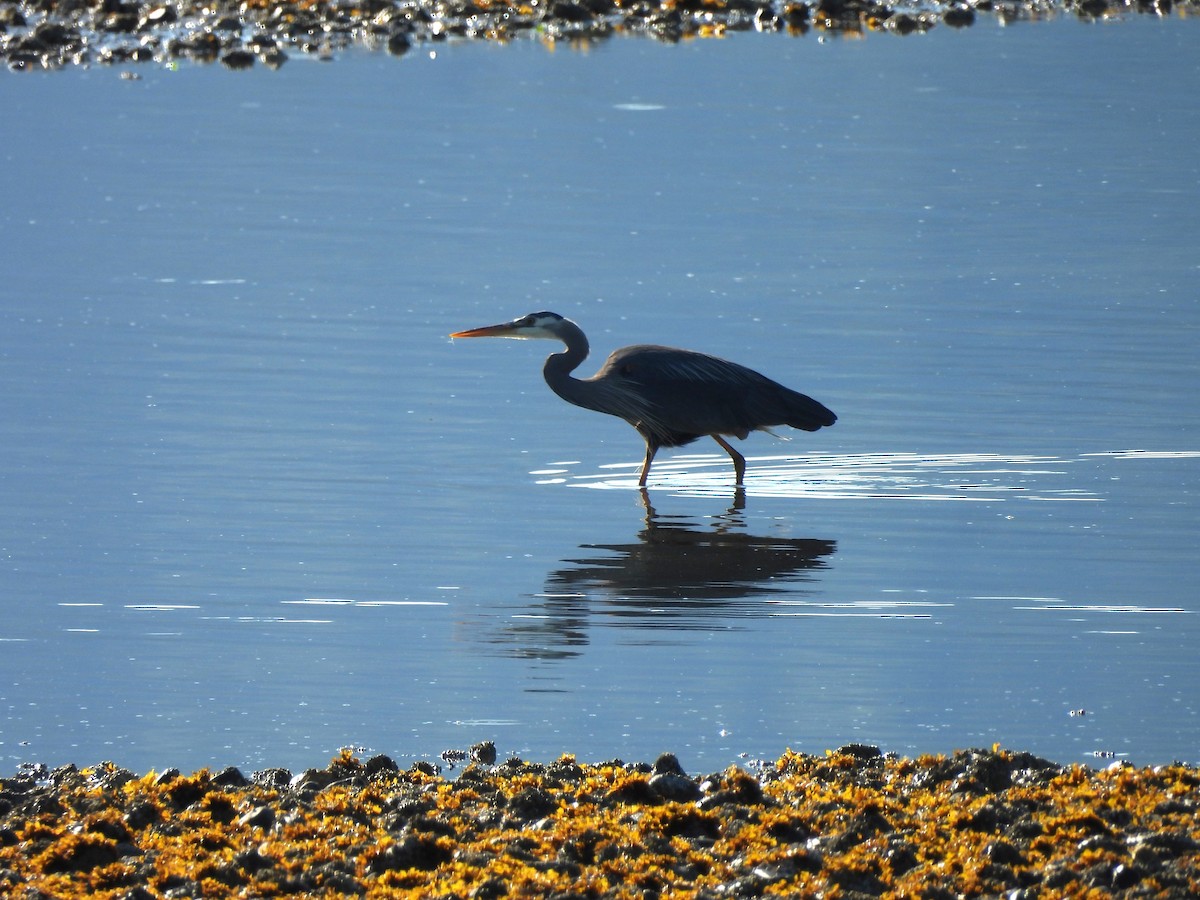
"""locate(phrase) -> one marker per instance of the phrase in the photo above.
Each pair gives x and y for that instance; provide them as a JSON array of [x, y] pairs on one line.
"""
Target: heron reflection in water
[[671, 396], [674, 575]]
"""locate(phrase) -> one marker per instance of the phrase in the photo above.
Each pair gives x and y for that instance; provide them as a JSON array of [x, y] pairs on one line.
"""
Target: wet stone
[[276, 778], [238, 59], [259, 817], [678, 788], [531, 803], [230, 777], [484, 752]]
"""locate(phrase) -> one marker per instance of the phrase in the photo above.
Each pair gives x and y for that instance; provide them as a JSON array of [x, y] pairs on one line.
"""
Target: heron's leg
[[739, 461], [651, 449]]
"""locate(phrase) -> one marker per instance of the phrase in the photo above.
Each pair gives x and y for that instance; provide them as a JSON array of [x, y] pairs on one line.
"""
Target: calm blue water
[[257, 506]]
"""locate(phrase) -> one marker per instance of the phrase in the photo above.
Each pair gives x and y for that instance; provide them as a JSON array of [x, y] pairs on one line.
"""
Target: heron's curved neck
[[559, 366]]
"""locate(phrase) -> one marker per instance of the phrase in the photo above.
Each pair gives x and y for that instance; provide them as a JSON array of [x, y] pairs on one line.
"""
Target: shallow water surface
[[257, 505]]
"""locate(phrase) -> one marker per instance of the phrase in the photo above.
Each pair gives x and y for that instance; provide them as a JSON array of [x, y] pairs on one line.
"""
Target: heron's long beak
[[507, 329]]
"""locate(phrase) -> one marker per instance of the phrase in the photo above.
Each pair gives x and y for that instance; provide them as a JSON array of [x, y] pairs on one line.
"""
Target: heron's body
[[671, 396]]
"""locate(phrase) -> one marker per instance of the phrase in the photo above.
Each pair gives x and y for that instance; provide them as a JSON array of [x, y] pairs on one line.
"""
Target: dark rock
[[1025, 828], [903, 23], [230, 777], [691, 823], [141, 814], [251, 861], [959, 16], [990, 818], [491, 889], [112, 777], [565, 769], [259, 817], [570, 12], [204, 47], [1123, 877], [671, 786], [988, 769], [114, 831], [668, 764], [260, 43], [11, 17], [398, 43], [531, 803], [178, 887], [404, 811], [333, 878], [858, 828], [1168, 843], [412, 851], [237, 60], [901, 856], [454, 757], [858, 881], [861, 752], [312, 781], [484, 752], [1004, 853], [380, 765], [53, 34], [272, 778], [731, 787]]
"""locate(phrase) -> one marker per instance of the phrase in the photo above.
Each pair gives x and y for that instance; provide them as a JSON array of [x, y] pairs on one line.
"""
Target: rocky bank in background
[[53, 34]]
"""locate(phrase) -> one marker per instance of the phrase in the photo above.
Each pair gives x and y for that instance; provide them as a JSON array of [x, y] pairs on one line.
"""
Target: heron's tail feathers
[[807, 414]]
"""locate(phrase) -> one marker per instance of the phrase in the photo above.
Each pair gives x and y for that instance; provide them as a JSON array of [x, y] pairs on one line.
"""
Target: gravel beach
[[54, 34], [850, 823]]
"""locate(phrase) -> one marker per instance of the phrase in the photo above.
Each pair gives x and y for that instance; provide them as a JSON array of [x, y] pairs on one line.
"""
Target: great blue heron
[[672, 397]]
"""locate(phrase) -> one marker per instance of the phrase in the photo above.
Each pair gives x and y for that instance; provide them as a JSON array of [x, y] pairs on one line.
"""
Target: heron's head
[[534, 325]]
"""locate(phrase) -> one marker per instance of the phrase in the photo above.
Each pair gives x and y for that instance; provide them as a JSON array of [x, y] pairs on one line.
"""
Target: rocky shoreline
[[55, 34], [852, 823]]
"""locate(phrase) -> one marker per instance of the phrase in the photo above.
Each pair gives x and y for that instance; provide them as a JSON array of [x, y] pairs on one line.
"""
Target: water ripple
[[972, 477]]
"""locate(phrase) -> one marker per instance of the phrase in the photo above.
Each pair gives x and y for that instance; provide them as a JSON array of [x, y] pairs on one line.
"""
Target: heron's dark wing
[[683, 394]]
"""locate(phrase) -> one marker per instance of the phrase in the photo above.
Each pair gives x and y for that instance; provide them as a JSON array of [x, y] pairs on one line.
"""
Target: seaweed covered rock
[[853, 821]]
